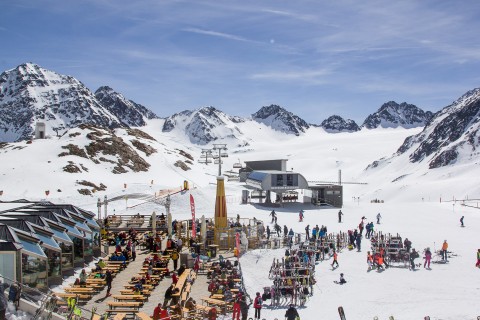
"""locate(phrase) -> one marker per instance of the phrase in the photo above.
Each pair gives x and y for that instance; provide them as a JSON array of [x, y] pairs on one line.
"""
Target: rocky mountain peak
[[131, 114], [280, 119], [392, 115], [338, 124]]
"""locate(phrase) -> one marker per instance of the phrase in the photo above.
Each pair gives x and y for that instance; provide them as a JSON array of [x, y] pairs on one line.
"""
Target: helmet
[[341, 274]]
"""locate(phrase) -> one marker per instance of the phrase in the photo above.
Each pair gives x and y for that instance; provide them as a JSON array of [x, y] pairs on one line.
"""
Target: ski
[[341, 313]]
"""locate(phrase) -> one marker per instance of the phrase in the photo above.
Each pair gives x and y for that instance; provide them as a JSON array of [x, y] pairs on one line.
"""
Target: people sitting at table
[[227, 295], [190, 304], [83, 277], [100, 265]]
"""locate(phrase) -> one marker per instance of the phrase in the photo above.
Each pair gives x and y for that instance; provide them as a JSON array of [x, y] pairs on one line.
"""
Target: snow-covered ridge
[[393, 115]]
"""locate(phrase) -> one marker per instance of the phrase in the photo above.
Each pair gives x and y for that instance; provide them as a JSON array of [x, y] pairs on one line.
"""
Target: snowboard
[[341, 313]]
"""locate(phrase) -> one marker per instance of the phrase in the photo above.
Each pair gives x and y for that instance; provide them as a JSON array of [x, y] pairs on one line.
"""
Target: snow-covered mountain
[[280, 119], [129, 113], [393, 115], [452, 135], [338, 124], [204, 125], [30, 94]]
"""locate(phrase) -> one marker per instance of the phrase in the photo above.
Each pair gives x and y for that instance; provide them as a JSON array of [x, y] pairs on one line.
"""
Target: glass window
[[74, 231], [7, 265], [279, 180], [82, 226], [96, 239], [60, 235], [77, 249], [67, 255], [34, 271], [88, 244], [32, 248], [289, 179], [54, 262], [48, 241]]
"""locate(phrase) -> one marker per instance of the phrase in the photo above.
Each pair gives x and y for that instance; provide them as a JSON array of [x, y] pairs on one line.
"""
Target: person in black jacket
[[244, 308], [108, 280], [168, 295], [291, 313]]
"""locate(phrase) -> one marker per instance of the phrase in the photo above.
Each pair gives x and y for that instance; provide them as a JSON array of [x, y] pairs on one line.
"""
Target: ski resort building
[[40, 243], [264, 177]]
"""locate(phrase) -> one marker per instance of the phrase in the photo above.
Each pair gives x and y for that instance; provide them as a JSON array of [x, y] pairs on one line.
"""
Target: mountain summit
[[338, 124], [30, 94], [128, 112], [280, 119], [392, 115]]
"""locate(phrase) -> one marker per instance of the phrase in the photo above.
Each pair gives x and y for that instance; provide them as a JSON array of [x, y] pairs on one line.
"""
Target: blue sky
[[314, 58]]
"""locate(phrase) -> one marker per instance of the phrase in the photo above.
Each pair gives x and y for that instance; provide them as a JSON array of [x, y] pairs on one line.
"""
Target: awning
[[48, 242], [32, 248]]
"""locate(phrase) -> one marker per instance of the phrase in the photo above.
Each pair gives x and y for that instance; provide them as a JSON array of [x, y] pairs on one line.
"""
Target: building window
[[279, 180], [54, 263], [77, 249], [290, 180], [34, 271], [67, 255]]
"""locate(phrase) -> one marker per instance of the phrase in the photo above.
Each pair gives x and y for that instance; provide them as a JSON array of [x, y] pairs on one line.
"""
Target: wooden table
[[130, 305], [129, 297], [80, 290]]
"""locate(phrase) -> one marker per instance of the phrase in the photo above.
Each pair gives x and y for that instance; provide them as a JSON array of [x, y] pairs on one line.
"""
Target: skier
[[413, 256], [292, 313], [257, 305], [428, 257], [342, 279], [444, 251], [461, 221], [300, 216], [273, 214], [334, 259], [268, 232], [369, 260], [360, 226], [285, 231], [307, 232], [358, 241], [278, 229], [379, 216], [340, 214], [478, 259]]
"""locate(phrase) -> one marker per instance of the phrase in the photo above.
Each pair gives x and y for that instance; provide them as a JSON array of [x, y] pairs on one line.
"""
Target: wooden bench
[[130, 307], [143, 316], [144, 292], [79, 290], [120, 316]]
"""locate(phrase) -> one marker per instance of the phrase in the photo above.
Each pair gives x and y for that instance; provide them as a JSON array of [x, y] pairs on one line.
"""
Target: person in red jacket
[[160, 314], [212, 314], [257, 305], [236, 306]]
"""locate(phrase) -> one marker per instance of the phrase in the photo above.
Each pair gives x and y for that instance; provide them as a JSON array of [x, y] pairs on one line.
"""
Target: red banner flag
[[192, 208]]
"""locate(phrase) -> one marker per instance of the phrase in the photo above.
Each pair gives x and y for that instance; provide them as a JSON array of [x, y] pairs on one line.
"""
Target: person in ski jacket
[[244, 308], [340, 214], [369, 260], [83, 277], [342, 279], [273, 214], [334, 259], [108, 280], [307, 232], [300, 216], [285, 231], [408, 244], [413, 256], [379, 217], [461, 221], [428, 257], [478, 259], [444, 250], [236, 307], [358, 242], [257, 305], [268, 232], [291, 313]]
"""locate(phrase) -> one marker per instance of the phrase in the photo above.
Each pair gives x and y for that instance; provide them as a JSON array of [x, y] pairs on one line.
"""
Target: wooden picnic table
[[145, 286], [144, 292], [119, 304], [130, 297], [215, 302], [79, 290], [82, 296]]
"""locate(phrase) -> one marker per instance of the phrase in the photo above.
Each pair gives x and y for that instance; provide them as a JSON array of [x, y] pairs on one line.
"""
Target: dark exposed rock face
[[338, 124], [281, 120], [392, 115]]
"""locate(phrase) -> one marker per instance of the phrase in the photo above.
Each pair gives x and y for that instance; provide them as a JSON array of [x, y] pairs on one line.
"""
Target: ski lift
[[215, 156], [237, 165], [217, 161], [224, 155]]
